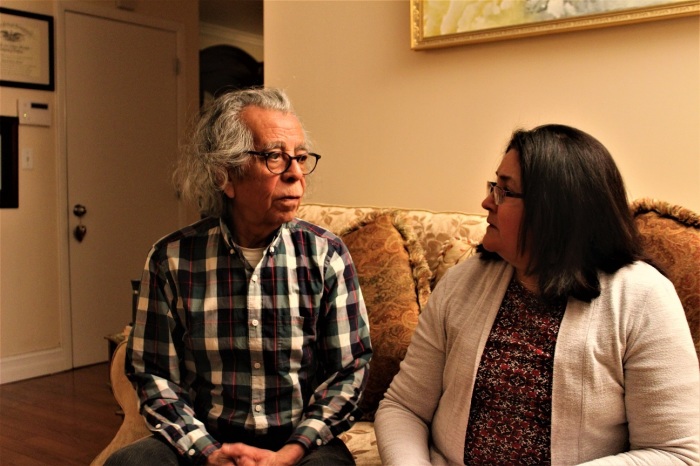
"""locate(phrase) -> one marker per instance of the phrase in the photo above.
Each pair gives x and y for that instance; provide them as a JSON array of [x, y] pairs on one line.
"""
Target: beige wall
[[32, 272], [425, 129], [28, 235], [395, 126]]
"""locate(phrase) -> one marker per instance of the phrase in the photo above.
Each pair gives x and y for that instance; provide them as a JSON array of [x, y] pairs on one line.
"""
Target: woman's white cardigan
[[626, 387]]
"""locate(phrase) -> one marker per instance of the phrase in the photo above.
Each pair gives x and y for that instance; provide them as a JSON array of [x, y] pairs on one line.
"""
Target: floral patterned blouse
[[510, 416]]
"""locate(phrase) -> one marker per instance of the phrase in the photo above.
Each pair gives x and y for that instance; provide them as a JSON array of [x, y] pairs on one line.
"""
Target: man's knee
[[334, 453], [149, 450]]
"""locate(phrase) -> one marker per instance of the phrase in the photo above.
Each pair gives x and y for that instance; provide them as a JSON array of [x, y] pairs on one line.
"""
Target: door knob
[[80, 232], [79, 210]]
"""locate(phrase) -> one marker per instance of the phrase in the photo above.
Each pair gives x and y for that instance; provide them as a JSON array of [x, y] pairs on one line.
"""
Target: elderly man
[[251, 341]]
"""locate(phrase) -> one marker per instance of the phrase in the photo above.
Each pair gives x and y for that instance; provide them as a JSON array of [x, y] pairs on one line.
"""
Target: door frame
[[66, 343]]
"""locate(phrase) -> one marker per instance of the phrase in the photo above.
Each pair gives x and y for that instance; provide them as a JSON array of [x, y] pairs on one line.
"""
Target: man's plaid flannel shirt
[[218, 343]]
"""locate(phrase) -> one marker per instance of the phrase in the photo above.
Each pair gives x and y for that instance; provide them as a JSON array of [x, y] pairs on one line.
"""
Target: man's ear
[[228, 186], [228, 189]]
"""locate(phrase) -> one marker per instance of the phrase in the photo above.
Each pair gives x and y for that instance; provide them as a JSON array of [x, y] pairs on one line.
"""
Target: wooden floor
[[62, 419]]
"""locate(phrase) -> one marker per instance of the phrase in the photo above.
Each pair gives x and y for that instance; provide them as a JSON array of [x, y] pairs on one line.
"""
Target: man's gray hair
[[218, 145]]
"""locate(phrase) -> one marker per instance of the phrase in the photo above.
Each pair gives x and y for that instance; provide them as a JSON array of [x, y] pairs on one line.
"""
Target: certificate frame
[[9, 162], [432, 28], [26, 50]]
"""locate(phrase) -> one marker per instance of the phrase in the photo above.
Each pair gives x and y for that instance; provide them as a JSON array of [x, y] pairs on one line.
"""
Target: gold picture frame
[[446, 23]]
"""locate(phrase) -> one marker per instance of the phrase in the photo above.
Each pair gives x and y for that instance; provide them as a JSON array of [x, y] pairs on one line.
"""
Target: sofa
[[400, 255]]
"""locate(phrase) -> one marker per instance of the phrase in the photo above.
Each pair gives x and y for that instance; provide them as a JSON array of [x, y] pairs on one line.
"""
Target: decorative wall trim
[[29, 365], [230, 35]]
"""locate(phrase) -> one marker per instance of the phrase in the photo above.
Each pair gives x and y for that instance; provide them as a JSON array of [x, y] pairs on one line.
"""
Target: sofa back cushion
[[432, 229], [395, 283]]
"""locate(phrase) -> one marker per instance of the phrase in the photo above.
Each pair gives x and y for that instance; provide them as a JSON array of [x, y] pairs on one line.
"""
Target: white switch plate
[[32, 112], [28, 158]]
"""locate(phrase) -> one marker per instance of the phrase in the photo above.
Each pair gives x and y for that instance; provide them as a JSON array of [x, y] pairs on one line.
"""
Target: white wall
[[425, 129]]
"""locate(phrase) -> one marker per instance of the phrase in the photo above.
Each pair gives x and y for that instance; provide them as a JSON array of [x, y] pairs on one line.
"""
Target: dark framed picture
[[26, 50], [9, 162]]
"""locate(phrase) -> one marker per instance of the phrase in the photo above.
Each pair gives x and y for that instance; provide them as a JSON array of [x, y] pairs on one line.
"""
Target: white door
[[121, 141]]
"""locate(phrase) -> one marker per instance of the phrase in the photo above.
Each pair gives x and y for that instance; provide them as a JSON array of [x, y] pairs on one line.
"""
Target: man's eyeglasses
[[279, 162], [499, 194]]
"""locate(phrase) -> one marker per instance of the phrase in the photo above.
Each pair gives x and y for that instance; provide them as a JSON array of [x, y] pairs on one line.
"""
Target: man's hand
[[220, 458], [240, 454]]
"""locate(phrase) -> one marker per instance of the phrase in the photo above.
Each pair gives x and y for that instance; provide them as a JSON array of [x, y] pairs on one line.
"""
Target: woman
[[557, 344]]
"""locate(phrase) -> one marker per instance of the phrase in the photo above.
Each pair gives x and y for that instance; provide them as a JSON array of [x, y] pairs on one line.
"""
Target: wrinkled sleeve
[[153, 363], [344, 351]]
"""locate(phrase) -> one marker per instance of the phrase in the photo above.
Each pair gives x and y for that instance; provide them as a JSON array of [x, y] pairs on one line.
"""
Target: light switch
[[33, 112], [27, 159]]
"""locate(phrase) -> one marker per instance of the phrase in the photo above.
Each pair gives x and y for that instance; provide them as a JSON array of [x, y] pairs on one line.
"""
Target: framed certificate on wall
[[26, 50]]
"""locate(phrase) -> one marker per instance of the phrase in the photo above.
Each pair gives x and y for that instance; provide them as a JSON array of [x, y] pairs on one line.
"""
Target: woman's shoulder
[[474, 269], [637, 274], [473, 279], [639, 283]]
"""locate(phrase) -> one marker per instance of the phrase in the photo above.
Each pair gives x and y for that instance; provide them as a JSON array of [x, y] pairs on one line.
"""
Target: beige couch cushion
[[395, 283], [362, 443], [453, 252], [431, 229]]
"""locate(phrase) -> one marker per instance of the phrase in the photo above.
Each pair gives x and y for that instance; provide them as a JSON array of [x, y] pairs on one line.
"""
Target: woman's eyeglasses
[[499, 194]]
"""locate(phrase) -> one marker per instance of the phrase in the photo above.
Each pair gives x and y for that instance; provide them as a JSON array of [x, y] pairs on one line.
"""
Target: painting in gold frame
[[445, 23]]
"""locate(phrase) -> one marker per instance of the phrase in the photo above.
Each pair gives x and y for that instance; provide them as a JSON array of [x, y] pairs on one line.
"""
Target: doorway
[[122, 92]]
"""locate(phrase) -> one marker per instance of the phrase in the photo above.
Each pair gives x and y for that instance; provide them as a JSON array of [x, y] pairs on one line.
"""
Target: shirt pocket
[[289, 341]]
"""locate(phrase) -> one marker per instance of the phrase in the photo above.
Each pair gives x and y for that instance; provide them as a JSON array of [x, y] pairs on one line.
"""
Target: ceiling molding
[[230, 34]]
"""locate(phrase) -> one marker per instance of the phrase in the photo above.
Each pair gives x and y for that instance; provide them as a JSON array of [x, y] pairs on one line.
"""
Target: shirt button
[[256, 365], [258, 408], [319, 442], [158, 426], [232, 251], [254, 322], [352, 418], [191, 452], [254, 278], [272, 250]]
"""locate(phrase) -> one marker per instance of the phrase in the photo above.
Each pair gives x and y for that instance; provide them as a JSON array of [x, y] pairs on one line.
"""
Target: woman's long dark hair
[[577, 220]]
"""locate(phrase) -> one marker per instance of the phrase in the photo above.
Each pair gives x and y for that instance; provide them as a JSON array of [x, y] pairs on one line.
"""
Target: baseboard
[[27, 366]]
